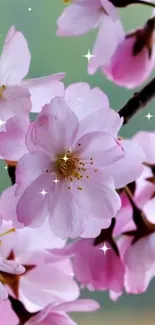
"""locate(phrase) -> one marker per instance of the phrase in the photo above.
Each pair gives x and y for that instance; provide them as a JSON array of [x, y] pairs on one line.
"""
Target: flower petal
[[14, 64], [76, 20]]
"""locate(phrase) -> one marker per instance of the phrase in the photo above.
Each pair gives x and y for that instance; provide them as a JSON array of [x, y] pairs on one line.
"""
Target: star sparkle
[[88, 56], [65, 158], [149, 116], [104, 248], [56, 180], [2, 122], [43, 192], [29, 9]]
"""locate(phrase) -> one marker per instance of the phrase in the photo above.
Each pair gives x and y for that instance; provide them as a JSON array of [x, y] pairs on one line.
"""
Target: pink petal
[[65, 217], [30, 167], [98, 196], [83, 100], [14, 64], [129, 168], [103, 48], [76, 20], [52, 133], [83, 305], [7, 315], [32, 206], [8, 202], [3, 295], [103, 120], [44, 89], [11, 267], [143, 138], [15, 102], [36, 289], [12, 140], [100, 147]]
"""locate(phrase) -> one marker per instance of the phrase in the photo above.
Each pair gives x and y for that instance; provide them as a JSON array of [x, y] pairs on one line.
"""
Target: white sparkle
[[56, 181], [149, 116], [104, 248], [65, 158], [43, 192], [79, 98], [71, 274], [88, 56], [2, 122], [29, 9], [6, 167]]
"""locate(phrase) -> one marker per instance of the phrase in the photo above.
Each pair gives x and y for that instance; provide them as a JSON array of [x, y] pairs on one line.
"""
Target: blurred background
[[50, 54]]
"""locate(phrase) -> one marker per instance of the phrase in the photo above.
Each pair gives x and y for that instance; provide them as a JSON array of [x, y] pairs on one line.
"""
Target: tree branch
[[20, 310], [138, 101]]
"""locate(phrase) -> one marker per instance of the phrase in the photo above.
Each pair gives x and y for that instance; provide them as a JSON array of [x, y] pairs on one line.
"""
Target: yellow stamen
[[8, 232], [2, 88]]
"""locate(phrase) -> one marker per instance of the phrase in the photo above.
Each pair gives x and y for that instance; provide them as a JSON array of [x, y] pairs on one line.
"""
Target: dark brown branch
[[20, 310], [125, 3], [138, 101]]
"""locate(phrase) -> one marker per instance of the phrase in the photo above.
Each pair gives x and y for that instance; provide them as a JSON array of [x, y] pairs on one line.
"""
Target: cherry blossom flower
[[53, 146], [134, 58], [41, 283], [56, 313], [14, 66]]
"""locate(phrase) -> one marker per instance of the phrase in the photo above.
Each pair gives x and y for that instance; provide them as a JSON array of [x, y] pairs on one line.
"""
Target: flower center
[[67, 1], [2, 88], [68, 166]]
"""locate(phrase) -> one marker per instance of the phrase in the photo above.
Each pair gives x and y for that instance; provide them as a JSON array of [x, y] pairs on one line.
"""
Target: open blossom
[[57, 313], [134, 58], [94, 268], [41, 283], [15, 93], [76, 159]]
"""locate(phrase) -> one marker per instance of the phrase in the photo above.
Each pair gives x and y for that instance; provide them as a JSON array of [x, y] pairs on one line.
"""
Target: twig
[[138, 101]]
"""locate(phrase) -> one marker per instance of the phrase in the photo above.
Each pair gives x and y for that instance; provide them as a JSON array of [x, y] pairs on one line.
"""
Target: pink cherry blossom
[[134, 58], [56, 313], [42, 283], [7, 316], [94, 268], [14, 66]]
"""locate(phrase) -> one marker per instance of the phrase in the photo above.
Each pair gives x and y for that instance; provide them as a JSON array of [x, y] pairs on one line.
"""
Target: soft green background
[[51, 54]]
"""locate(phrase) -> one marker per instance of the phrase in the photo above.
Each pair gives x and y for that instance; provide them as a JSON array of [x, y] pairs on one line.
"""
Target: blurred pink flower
[[56, 313], [134, 58], [94, 268], [41, 283]]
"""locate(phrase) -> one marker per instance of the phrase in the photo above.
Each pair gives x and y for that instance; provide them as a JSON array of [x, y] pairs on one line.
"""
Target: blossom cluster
[[73, 177]]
